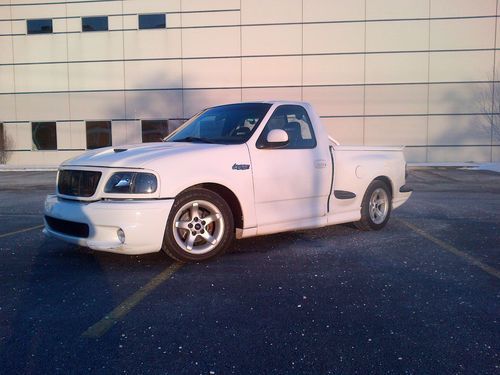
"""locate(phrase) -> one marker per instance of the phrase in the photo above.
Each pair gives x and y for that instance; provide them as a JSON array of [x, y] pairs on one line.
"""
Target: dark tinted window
[[44, 135], [3, 145], [294, 120], [154, 130], [39, 26], [152, 21], [98, 134], [226, 124], [94, 23]]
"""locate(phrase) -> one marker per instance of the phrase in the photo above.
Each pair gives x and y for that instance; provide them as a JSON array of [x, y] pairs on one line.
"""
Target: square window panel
[[154, 130], [152, 21], [98, 134], [94, 23], [44, 135], [4, 146], [42, 26]]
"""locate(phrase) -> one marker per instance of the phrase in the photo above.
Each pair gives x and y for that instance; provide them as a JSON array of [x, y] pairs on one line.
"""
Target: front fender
[[215, 166]]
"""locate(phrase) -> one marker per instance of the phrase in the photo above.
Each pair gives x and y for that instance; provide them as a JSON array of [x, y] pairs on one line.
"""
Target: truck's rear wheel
[[376, 207], [200, 226]]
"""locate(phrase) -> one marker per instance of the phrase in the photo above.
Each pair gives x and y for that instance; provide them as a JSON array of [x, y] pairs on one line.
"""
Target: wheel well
[[387, 181], [229, 197]]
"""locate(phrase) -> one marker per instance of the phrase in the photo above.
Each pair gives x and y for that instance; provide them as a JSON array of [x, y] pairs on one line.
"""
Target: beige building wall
[[418, 73]]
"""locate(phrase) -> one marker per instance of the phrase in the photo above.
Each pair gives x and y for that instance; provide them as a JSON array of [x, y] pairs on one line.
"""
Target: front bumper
[[142, 221]]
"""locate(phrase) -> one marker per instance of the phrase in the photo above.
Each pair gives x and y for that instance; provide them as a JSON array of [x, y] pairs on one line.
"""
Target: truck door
[[292, 181]]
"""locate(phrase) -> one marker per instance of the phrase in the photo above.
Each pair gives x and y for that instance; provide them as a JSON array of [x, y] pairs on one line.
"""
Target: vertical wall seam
[[241, 58], [493, 106], [124, 80], [67, 72], [364, 81], [428, 84], [302, 56], [182, 65], [13, 66]]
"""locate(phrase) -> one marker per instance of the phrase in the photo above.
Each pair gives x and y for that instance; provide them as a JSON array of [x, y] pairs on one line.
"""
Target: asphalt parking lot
[[419, 297]]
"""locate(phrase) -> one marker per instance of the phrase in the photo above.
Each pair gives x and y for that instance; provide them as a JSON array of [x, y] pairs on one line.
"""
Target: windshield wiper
[[194, 139]]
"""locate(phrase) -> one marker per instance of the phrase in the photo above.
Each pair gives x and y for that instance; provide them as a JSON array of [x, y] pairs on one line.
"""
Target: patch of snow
[[10, 168], [493, 167], [442, 165]]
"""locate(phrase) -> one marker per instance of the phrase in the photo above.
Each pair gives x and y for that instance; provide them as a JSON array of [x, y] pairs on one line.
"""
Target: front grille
[[70, 228], [78, 183]]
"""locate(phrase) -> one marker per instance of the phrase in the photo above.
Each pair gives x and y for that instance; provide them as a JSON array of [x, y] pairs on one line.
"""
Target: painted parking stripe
[[103, 325], [21, 231], [446, 246]]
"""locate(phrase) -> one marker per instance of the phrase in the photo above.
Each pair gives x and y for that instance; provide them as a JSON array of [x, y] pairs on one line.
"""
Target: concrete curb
[[8, 168], [443, 165]]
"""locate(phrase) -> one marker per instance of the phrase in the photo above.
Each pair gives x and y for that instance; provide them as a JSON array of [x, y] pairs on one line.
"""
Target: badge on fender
[[241, 167]]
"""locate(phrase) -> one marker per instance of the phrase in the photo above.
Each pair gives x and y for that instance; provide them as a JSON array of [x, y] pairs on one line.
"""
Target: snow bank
[[494, 167]]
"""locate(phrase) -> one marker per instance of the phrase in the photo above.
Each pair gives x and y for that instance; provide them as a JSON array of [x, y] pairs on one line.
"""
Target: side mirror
[[277, 138]]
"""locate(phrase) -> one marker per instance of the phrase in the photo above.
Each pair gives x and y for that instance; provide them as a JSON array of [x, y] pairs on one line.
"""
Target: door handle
[[320, 163]]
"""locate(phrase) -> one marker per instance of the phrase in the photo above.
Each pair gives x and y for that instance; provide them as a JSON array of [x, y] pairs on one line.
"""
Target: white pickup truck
[[236, 170]]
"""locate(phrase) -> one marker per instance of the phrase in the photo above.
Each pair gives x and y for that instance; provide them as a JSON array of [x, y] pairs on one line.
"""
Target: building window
[[98, 134], [154, 130], [4, 146], [95, 23], [152, 21], [39, 26], [44, 135]]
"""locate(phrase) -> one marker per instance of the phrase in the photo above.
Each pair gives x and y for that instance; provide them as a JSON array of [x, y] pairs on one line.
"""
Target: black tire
[[186, 226], [369, 219]]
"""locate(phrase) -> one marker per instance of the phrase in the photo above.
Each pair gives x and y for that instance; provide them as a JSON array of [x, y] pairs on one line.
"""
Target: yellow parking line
[[445, 246], [103, 325], [20, 231]]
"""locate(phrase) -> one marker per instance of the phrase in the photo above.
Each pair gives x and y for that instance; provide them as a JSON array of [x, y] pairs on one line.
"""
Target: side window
[[44, 135], [294, 120], [152, 21], [154, 130], [4, 145], [98, 134], [41, 26], [95, 23]]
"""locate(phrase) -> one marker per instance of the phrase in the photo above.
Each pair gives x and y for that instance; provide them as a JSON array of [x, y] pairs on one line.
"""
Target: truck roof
[[265, 101]]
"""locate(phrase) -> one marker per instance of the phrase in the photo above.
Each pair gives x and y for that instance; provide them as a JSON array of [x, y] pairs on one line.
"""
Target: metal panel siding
[[415, 72]]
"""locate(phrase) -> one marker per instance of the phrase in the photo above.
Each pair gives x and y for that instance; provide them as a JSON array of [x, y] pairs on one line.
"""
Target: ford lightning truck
[[231, 171]]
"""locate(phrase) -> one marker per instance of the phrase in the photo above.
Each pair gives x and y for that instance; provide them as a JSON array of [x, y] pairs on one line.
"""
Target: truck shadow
[[281, 241]]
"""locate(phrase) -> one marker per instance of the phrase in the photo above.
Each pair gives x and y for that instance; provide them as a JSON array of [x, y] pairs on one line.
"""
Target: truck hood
[[135, 156]]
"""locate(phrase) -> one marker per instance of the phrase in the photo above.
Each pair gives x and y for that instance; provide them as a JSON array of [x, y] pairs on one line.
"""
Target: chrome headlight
[[131, 183]]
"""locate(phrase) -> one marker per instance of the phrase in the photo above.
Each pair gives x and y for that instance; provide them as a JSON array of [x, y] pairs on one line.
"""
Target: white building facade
[[83, 74]]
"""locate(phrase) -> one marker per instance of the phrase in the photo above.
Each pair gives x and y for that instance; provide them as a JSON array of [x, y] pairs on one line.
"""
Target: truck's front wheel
[[200, 226]]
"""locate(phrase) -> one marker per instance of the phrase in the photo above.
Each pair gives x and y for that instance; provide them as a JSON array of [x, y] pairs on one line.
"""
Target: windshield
[[226, 124]]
